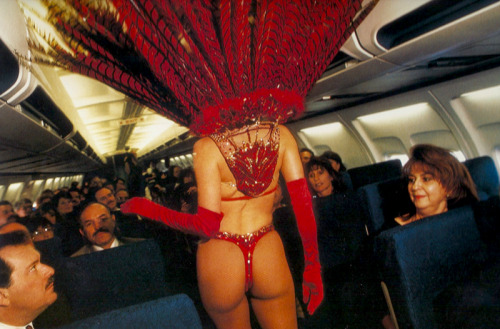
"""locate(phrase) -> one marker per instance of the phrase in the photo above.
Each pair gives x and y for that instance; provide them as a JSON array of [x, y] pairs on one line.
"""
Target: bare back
[[216, 182]]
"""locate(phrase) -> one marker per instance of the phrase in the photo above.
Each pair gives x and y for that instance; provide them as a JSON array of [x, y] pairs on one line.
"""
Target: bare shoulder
[[285, 135], [204, 145], [284, 132]]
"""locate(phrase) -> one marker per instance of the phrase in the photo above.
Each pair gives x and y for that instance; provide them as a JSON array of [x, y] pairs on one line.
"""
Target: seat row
[[125, 287], [414, 263]]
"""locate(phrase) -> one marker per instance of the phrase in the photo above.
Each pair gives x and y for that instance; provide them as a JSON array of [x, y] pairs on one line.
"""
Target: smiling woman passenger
[[436, 181]]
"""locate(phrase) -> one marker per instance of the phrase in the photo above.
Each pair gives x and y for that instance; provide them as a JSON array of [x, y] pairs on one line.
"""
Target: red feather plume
[[205, 64]]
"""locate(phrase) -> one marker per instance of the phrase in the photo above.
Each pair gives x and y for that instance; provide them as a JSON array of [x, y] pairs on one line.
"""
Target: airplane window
[[57, 183], [394, 131], [479, 109], [48, 184], [336, 137], [37, 189], [2, 191], [459, 155], [401, 157], [14, 192], [496, 157]]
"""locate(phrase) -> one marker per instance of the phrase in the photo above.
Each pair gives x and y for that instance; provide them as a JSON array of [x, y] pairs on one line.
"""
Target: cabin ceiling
[[114, 122], [111, 123]]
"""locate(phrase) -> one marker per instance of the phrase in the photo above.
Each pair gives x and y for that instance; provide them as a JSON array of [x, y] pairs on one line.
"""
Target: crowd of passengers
[[59, 213], [88, 218]]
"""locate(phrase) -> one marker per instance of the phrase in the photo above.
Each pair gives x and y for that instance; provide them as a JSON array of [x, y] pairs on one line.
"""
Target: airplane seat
[[376, 172], [346, 258], [346, 178], [419, 260], [341, 230], [111, 279], [175, 312], [484, 174], [382, 202], [50, 251]]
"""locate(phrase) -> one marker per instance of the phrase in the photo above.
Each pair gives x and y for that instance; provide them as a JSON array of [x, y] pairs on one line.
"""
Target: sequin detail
[[253, 160], [247, 243]]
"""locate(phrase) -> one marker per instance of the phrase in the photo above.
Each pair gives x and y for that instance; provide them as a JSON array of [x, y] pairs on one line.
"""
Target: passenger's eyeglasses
[[44, 230]]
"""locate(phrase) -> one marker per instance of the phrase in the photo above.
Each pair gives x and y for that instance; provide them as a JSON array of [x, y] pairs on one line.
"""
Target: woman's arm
[[206, 222], [206, 169], [291, 167], [312, 285]]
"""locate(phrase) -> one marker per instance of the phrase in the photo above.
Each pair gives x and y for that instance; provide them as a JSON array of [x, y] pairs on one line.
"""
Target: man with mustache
[[97, 226], [26, 284]]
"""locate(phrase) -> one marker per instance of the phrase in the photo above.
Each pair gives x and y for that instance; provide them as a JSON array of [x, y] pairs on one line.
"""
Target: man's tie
[[29, 326]]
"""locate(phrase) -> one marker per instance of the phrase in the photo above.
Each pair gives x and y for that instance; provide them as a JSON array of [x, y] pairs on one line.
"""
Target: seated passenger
[[106, 197], [305, 155], [323, 179], [97, 226], [436, 181], [40, 228], [26, 285], [119, 184], [76, 197], [23, 208], [129, 225], [121, 196], [67, 223], [45, 197], [335, 161], [6, 212]]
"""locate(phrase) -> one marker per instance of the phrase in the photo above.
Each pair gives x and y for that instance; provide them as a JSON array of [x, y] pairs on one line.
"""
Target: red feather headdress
[[204, 64]]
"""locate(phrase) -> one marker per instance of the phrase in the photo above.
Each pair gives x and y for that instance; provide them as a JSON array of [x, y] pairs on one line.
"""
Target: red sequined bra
[[251, 154]]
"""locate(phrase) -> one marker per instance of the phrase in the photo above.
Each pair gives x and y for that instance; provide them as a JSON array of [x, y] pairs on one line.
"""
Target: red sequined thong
[[251, 154]]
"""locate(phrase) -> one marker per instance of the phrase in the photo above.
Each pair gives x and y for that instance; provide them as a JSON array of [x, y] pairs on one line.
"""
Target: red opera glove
[[312, 285], [205, 223]]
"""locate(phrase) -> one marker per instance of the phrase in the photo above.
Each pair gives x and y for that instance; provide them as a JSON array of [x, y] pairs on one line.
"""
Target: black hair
[[59, 196], [305, 149], [21, 202], [36, 220], [321, 162], [75, 189], [14, 238], [5, 203], [335, 157]]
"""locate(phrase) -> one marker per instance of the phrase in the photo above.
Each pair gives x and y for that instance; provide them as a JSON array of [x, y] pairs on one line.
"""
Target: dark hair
[[59, 196], [75, 189], [330, 155], [305, 149], [5, 203], [36, 220], [321, 162], [87, 204], [115, 182], [187, 172], [13, 238], [93, 191], [46, 207], [452, 174], [21, 202]]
